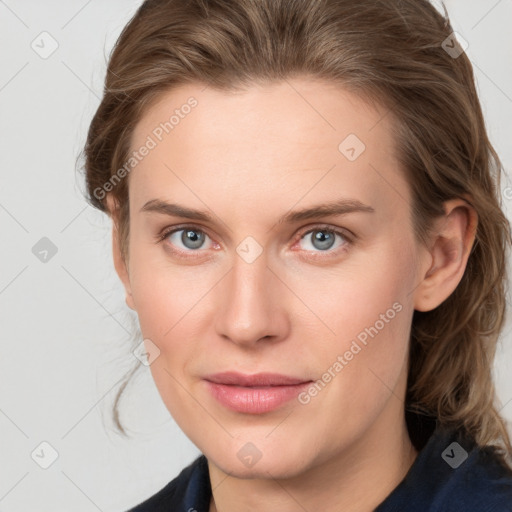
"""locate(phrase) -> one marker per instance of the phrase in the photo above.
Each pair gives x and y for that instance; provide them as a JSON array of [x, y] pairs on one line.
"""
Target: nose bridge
[[249, 278], [250, 311]]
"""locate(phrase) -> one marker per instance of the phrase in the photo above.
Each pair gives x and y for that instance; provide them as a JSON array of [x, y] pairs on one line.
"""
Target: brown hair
[[395, 53]]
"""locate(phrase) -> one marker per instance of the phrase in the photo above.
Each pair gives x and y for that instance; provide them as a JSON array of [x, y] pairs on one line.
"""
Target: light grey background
[[65, 330]]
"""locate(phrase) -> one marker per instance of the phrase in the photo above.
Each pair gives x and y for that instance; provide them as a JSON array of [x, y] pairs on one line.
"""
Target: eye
[[323, 239], [190, 239], [186, 238]]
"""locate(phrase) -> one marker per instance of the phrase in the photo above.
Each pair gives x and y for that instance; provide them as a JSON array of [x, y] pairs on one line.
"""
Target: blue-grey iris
[[325, 238], [196, 238]]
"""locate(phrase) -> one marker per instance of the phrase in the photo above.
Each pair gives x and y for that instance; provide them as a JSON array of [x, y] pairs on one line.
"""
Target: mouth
[[254, 394]]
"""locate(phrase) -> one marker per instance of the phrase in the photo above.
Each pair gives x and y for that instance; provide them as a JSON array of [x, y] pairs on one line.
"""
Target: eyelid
[[165, 232], [190, 255], [347, 234], [325, 256]]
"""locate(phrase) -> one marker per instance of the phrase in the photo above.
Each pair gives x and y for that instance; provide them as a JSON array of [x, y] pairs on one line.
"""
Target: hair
[[392, 53]]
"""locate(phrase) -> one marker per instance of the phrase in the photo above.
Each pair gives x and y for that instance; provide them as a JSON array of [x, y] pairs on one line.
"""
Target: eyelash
[[349, 239]]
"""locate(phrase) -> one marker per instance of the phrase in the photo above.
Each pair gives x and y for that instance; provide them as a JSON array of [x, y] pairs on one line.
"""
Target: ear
[[119, 261], [448, 254]]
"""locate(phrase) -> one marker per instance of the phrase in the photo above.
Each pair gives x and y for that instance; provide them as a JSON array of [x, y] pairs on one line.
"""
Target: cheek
[[378, 314], [165, 293], [174, 309], [369, 314], [169, 303], [345, 300]]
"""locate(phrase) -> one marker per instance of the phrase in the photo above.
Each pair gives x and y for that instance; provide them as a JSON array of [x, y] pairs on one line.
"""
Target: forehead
[[298, 137], [301, 109]]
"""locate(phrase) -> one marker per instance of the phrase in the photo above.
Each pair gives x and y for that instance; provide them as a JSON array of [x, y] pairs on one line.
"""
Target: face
[[280, 313]]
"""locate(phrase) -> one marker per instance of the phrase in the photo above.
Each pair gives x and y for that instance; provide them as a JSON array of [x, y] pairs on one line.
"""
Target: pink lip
[[254, 394]]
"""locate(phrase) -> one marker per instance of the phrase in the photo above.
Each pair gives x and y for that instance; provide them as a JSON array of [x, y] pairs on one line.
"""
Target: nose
[[252, 304]]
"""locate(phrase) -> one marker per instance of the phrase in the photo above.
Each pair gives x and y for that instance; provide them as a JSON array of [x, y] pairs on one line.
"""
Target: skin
[[249, 158]]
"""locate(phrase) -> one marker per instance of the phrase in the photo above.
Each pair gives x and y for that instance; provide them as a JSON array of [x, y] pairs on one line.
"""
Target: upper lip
[[257, 379]]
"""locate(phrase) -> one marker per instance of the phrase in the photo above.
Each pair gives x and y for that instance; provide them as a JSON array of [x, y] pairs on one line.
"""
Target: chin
[[261, 459], [282, 469]]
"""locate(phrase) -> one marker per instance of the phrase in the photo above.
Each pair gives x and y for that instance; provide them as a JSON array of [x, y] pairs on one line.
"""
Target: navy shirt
[[450, 474]]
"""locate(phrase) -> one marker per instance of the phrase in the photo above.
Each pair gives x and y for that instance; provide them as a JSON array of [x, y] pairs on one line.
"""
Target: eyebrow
[[339, 207]]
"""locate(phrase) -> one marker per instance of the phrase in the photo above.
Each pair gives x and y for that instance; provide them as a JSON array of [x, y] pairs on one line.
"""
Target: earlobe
[[448, 255]]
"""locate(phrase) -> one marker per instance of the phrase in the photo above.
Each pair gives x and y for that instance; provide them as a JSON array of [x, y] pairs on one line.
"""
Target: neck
[[357, 479]]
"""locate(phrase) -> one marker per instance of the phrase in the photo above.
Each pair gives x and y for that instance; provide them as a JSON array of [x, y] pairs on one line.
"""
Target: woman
[[307, 223]]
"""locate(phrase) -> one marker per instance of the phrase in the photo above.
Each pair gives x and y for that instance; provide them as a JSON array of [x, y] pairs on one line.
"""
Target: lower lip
[[254, 400]]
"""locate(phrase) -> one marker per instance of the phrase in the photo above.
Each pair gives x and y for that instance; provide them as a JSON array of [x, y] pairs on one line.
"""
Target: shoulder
[[189, 490], [453, 473], [482, 483]]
